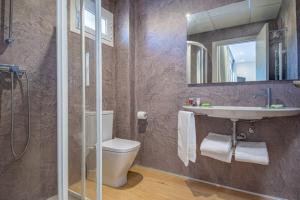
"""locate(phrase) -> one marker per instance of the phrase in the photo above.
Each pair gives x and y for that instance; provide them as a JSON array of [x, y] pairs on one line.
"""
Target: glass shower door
[[80, 99]]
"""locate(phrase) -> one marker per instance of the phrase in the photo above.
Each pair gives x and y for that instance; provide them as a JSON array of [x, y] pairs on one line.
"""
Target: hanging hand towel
[[252, 152], [186, 137]]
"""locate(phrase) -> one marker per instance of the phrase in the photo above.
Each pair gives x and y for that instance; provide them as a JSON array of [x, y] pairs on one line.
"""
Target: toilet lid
[[120, 145]]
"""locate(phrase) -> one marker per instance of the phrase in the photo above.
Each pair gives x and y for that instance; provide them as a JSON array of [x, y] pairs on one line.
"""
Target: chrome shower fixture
[[10, 38], [12, 69], [15, 71], [277, 33]]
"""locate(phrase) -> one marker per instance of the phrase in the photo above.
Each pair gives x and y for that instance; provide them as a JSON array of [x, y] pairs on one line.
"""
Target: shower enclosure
[[196, 62], [79, 91]]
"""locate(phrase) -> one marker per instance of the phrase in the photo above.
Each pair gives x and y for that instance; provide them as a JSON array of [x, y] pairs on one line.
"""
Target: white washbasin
[[238, 112]]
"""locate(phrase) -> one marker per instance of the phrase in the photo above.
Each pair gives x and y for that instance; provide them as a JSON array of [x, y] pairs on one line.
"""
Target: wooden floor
[[149, 184]]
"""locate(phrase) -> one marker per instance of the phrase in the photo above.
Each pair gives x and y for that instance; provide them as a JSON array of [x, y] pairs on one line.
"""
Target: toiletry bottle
[[198, 100], [194, 102], [191, 101], [187, 102]]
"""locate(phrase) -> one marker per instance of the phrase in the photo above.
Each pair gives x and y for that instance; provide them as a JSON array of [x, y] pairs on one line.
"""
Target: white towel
[[218, 147], [252, 152], [186, 137], [222, 157], [216, 143]]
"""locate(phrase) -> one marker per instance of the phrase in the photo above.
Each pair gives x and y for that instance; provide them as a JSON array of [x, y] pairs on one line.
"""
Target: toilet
[[118, 154]]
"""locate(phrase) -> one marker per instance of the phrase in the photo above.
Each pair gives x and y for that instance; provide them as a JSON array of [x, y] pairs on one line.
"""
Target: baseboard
[[214, 184], [76, 195], [53, 198], [72, 196]]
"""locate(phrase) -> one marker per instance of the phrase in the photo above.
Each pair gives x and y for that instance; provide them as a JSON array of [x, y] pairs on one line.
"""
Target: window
[[107, 27], [106, 21]]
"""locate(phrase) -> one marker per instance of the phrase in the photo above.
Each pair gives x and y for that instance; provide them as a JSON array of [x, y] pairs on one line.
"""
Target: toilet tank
[[107, 122], [90, 128]]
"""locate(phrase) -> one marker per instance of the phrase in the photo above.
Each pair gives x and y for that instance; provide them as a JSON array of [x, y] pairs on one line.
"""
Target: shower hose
[[16, 155]]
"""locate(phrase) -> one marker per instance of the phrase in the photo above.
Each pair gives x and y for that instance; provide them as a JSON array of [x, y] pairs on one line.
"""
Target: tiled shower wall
[[34, 49], [154, 81]]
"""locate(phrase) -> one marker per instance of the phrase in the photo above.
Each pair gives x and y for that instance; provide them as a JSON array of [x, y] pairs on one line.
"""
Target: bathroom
[[143, 65]]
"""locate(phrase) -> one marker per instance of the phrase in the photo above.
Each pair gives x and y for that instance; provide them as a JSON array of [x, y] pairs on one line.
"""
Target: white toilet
[[118, 154]]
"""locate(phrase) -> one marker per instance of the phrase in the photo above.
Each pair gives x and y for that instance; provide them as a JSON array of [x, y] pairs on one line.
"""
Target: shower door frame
[[62, 98]]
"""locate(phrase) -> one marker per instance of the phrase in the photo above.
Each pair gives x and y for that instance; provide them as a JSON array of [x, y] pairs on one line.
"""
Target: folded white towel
[[186, 137], [252, 152], [216, 144], [222, 157]]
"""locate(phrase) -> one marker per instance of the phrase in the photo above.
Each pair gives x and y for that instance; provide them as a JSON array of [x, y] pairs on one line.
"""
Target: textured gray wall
[[160, 89], [125, 69], [34, 49]]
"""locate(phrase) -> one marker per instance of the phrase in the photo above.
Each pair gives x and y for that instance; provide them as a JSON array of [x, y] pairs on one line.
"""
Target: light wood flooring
[[150, 184]]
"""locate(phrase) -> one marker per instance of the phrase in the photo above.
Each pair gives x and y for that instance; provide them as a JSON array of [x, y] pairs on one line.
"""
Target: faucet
[[268, 95]]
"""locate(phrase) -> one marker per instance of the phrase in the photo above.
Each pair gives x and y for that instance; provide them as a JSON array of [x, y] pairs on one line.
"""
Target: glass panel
[[82, 100], [91, 133], [76, 106]]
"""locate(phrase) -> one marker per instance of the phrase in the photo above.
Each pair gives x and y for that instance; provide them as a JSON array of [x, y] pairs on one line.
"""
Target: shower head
[[277, 33]]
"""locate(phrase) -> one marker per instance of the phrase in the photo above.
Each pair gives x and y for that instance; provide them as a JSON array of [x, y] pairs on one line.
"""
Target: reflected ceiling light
[[187, 15]]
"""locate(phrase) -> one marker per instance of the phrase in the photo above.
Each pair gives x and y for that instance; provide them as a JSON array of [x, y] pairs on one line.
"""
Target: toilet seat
[[118, 145]]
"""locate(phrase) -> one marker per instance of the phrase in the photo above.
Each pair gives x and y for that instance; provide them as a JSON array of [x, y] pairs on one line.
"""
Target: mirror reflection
[[253, 40]]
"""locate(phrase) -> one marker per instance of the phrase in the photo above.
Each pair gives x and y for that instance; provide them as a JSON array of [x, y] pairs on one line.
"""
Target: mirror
[[252, 40]]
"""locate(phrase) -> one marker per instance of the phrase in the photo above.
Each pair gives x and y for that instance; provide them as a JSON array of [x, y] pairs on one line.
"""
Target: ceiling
[[235, 14]]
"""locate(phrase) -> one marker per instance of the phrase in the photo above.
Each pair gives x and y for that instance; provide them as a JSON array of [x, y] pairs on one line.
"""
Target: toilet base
[[116, 167], [119, 182]]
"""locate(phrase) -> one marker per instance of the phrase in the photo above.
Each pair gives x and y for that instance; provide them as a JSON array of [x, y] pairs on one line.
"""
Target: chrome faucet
[[268, 95]]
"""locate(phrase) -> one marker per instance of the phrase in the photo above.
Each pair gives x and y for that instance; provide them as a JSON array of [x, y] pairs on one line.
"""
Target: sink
[[247, 113]]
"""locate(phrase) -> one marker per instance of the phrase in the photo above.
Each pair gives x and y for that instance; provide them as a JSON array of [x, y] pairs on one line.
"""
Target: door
[[262, 54], [79, 93]]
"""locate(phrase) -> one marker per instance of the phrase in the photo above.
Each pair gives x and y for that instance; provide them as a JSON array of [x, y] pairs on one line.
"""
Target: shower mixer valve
[[12, 69]]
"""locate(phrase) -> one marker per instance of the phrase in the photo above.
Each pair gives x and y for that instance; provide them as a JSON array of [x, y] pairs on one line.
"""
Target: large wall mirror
[[251, 40]]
